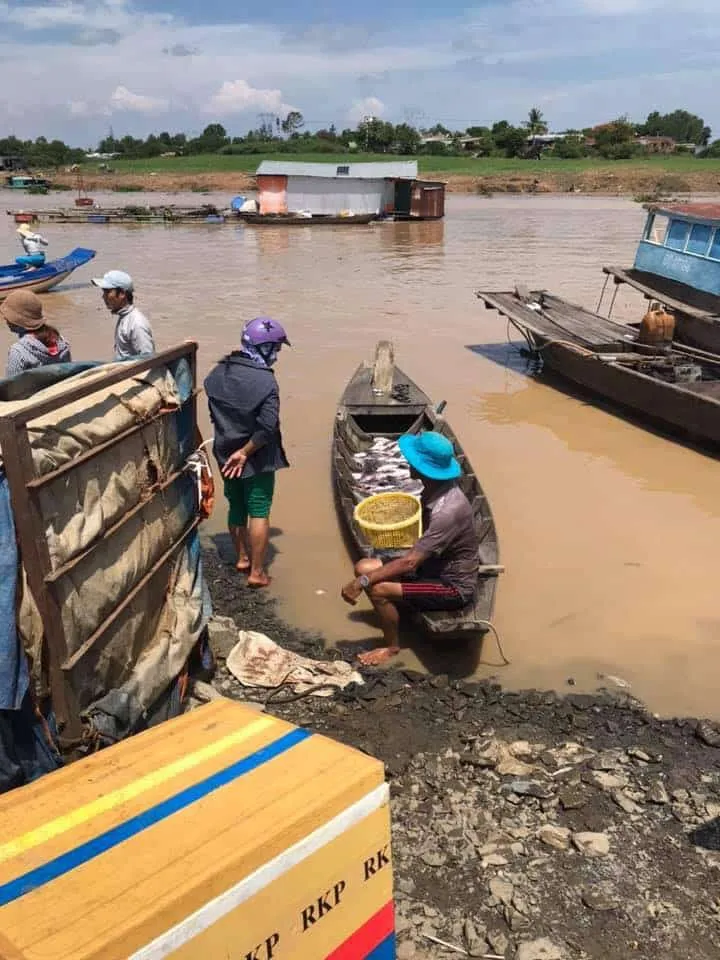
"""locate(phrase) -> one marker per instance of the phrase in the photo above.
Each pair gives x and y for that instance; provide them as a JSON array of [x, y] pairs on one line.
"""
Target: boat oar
[[440, 407], [490, 569]]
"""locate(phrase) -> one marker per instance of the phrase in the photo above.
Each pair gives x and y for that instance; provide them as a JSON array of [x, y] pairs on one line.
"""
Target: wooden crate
[[223, 834]]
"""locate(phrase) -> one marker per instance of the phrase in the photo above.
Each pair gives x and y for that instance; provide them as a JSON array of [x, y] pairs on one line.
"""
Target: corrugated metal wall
[[428, 200], [331, 196]]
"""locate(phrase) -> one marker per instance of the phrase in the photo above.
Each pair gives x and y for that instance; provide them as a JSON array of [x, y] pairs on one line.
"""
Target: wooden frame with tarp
[[103, 507]]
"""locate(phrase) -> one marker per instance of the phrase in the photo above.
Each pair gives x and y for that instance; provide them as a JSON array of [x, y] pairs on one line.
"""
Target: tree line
[[617, 139]]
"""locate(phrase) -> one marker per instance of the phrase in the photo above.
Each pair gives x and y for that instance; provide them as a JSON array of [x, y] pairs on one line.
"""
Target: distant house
[[101, 156], [391, 188], [13, 163], [657, 144]]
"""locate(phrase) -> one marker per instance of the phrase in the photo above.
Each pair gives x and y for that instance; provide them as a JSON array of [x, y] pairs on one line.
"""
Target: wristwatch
[[364, 581]]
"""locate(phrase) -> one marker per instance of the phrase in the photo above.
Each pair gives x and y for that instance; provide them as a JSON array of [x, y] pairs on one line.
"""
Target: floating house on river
[[330, 189]]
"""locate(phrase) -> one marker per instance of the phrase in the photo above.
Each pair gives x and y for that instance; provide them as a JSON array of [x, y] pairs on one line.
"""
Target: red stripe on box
[[370, 935]]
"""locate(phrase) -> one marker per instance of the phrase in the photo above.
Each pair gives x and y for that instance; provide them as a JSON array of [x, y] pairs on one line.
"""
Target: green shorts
[[249, 497]]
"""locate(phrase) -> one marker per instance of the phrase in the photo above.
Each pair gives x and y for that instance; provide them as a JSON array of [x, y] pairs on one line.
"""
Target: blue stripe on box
[[80, 855]]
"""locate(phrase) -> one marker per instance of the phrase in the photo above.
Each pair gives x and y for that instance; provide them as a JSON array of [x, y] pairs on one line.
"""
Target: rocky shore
[[526, 826]]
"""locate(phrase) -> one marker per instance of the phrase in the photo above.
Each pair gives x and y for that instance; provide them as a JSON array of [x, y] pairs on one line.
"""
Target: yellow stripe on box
[[68, 821]]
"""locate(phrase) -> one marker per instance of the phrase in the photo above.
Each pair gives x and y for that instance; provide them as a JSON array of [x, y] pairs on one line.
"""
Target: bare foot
[[243, 565], [374, 658], [259, 581]]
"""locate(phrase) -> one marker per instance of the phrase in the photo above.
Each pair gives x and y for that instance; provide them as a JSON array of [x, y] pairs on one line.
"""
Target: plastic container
[[390, 520]]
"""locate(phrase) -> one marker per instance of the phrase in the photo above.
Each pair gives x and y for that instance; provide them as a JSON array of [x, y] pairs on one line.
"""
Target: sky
[[79, 68]]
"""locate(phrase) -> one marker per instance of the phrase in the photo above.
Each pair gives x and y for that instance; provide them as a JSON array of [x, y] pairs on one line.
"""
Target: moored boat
[[26, 182], [297, 220], [370, 410], [40, 279], [675, 386], [677, 263]]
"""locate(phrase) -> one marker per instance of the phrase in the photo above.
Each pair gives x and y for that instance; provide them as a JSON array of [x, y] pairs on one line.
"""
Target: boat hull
[[362, 417], [283, 220], [43, 278]]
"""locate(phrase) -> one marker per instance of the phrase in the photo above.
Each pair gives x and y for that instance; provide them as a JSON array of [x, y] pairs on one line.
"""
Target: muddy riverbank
[[637, 180], [526, 825]]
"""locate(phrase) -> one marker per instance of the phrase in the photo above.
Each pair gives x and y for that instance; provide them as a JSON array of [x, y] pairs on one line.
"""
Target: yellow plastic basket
[[390, 520]]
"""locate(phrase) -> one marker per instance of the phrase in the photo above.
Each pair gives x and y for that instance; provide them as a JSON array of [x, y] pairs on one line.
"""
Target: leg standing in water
[[250, 501]]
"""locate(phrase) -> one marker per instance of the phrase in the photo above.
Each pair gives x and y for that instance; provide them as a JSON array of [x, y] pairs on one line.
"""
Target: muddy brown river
[[610, 533]]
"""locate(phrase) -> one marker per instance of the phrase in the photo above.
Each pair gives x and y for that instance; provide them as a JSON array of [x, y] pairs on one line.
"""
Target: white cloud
[[124, 99], [367, 107], [82, 59], [237, 96]]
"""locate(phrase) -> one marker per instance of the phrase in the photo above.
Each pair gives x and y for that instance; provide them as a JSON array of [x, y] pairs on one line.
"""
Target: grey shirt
[[133, 334], [451, 540]]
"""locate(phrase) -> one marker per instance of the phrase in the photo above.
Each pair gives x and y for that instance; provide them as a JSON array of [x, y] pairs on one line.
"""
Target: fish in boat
[[368, 423], [40, 279], [672, 385]]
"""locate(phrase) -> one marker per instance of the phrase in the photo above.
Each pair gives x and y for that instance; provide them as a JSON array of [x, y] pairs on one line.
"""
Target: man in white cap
[[133, 333]]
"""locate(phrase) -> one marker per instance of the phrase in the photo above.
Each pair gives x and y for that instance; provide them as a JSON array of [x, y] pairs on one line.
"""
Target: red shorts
[[431, 595]]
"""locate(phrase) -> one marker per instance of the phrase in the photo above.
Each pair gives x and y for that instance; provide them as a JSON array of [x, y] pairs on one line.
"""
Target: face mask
[[265, 353]]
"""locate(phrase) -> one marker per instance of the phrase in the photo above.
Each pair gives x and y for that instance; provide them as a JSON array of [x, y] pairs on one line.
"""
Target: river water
[[609, 532]]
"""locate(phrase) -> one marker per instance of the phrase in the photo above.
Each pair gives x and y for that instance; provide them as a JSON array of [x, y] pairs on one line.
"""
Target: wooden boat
[[677, 387], [40, 279], [317, 220], [363, 415], [677, 263]]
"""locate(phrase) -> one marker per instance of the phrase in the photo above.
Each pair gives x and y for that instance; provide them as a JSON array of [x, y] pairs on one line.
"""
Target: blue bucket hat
[[431, 454]]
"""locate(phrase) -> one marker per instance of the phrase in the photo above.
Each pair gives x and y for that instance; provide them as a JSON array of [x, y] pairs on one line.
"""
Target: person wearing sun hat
[[33, 245], [39, 344], [133, 333], [440, 571]]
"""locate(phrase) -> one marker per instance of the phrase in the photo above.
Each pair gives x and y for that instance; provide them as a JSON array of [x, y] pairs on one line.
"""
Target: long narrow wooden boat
[[318, 220], [677, 263], [676, 387], [40, 279], [364, 415]]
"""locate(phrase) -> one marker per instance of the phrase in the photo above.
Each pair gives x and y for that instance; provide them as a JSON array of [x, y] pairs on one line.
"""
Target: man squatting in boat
[[440, 571]]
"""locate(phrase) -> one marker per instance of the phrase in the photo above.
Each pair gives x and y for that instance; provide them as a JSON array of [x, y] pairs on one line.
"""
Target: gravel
[[526, 825]]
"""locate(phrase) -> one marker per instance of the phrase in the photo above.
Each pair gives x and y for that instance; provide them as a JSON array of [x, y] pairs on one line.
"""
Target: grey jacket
[[133, 334], [244, 404]]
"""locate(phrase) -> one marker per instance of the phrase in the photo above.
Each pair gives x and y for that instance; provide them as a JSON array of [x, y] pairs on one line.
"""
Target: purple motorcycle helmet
[[264, 330]]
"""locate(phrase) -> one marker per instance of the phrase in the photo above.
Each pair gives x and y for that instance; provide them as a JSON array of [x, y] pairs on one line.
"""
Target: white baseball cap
[[115, 280]]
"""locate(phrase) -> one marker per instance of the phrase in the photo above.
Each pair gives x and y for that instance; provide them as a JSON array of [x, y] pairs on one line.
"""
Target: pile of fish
[[382, 469]]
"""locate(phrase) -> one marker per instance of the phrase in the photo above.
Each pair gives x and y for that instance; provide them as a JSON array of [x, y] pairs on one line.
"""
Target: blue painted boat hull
[[40, 279]]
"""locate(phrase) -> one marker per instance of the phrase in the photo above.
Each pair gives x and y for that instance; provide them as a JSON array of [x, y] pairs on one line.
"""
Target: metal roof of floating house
[[397, 170]]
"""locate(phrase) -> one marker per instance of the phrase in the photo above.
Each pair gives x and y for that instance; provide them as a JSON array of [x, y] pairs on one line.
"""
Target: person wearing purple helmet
[[244, 403]]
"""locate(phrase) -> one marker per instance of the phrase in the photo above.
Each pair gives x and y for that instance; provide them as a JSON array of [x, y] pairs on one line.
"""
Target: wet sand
[[609, 532]]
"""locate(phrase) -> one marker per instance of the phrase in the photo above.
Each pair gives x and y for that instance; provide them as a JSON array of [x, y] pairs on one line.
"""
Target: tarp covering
[[109, 522]]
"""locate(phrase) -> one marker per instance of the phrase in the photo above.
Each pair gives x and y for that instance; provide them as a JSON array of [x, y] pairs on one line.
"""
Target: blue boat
[[40, 279], [677, 264]]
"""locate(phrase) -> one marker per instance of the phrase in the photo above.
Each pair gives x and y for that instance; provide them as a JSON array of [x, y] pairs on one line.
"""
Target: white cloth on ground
[[257, 661]]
